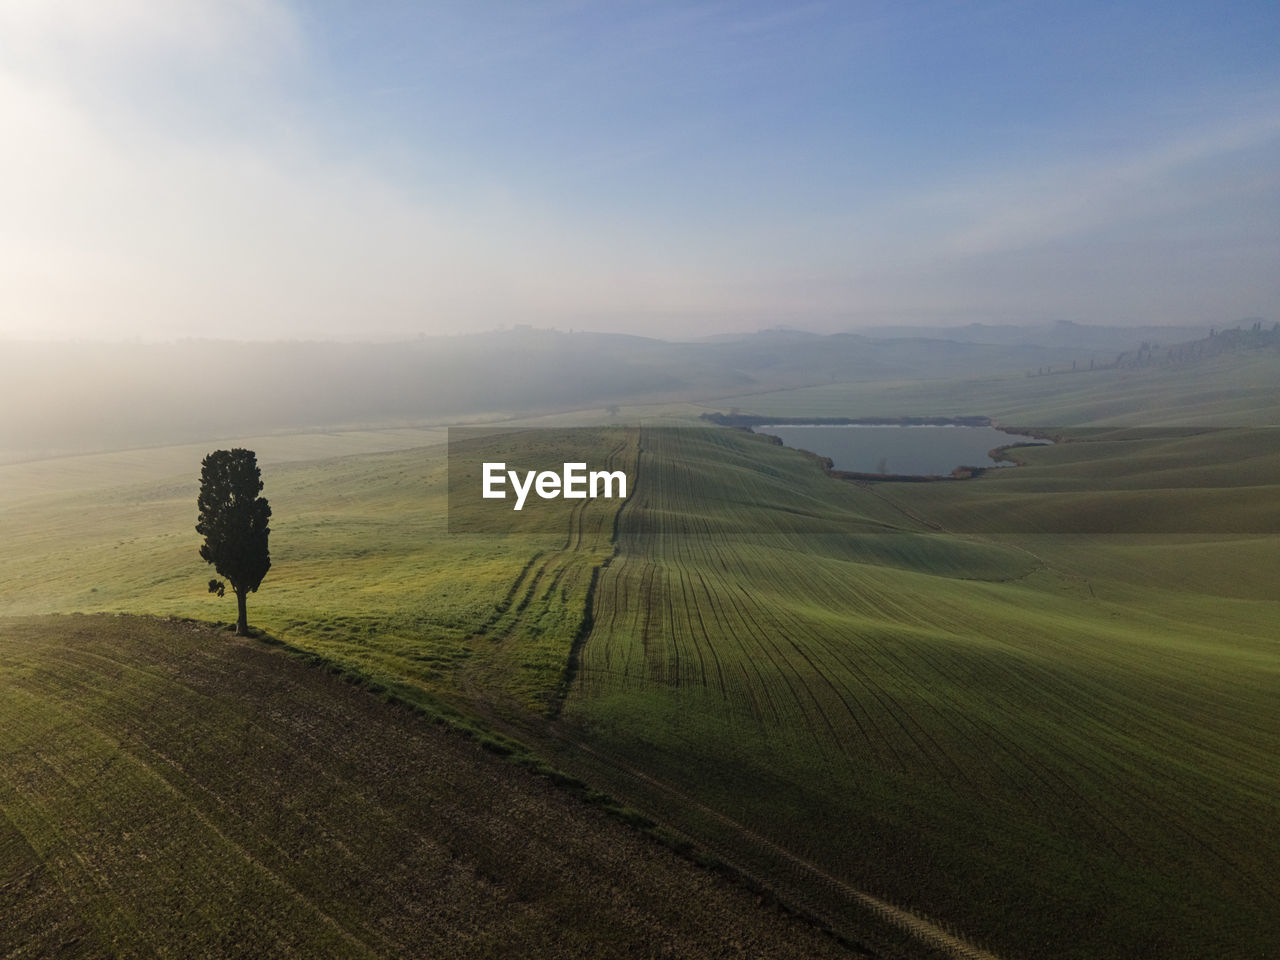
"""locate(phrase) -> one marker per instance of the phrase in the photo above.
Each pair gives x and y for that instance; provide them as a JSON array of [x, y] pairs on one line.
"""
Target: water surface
[[896, 448]]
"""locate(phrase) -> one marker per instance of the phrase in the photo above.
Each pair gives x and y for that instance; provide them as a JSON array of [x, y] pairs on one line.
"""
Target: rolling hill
[[171, 790], [1036, 709]]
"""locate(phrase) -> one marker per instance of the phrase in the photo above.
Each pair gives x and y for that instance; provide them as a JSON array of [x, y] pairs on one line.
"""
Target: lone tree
[[233, 521]]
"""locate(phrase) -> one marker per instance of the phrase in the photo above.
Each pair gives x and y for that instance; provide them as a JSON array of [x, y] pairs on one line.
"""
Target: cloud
[[70, 36], [233, 219]]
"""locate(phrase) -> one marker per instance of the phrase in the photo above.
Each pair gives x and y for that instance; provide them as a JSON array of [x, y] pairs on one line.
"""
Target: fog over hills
[[61, 398], [1060, 333]]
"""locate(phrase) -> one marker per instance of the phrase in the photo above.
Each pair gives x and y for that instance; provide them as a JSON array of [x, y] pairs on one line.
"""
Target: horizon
[[869, 331], [273, 170]]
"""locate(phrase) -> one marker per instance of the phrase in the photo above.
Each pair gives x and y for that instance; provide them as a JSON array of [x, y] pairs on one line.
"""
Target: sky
[[357, 169]]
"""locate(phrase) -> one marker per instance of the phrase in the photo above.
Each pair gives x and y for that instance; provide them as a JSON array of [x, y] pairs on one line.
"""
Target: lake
[[896, 448]]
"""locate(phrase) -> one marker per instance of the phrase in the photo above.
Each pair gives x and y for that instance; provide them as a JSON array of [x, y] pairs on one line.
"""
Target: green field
[[1043, 741], [962, 699], [363, 566]]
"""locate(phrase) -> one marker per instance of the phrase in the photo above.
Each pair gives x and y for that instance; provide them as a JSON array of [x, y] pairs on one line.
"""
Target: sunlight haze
[[262, 169]]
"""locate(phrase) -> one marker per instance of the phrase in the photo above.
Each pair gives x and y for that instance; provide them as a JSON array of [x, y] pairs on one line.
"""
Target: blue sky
[[257, 168]]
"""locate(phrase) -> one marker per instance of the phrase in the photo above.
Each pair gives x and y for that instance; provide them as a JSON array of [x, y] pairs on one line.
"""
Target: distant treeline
[[1151, 353]]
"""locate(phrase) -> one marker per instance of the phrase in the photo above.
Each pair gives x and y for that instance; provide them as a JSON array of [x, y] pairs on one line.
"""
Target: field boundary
[[920, 928]]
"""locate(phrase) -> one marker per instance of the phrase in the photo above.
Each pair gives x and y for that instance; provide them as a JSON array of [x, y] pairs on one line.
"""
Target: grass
[[1208, 481], [1058, 743], [1047, 742], [364, 570]]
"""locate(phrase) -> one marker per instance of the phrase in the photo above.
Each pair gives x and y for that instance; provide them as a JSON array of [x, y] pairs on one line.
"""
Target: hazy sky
[[354, 168]]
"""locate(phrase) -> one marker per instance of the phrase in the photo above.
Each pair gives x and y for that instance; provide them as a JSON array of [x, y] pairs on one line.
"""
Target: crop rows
[[166, 790], [1011, 716], [522, 647]]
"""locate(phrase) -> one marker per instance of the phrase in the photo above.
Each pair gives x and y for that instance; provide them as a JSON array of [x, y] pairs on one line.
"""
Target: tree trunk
[[242, 620]]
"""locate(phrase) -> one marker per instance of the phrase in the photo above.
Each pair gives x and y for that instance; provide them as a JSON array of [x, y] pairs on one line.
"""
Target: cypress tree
[[233, 521]]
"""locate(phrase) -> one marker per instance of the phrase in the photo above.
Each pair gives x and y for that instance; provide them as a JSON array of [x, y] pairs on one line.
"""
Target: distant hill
[[84, 397], [1060, 334]]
